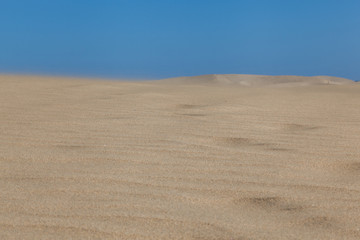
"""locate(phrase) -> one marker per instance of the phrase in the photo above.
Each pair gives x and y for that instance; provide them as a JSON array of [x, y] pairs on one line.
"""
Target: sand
[[179, 159]]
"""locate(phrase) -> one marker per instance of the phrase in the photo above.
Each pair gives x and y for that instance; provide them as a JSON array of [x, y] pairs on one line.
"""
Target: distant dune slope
[[258, 80]]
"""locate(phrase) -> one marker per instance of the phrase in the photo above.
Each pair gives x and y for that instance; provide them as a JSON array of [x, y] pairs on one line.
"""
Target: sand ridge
[[83, 159], [258, 80]]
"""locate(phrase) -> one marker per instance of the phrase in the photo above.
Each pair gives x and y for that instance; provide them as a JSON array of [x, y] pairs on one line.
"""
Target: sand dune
[[87, 159], [258, 80]]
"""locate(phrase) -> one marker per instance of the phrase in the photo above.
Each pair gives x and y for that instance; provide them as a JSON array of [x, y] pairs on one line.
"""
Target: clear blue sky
[[167, 38]]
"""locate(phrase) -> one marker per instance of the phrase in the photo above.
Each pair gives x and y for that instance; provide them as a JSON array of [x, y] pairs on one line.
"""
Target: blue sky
[[167, 38]]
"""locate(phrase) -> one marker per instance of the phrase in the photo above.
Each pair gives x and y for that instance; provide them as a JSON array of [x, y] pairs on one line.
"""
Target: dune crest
[[258, 80]]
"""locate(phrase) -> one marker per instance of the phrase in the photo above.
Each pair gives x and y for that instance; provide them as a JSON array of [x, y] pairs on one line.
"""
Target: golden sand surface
[[215, 158]]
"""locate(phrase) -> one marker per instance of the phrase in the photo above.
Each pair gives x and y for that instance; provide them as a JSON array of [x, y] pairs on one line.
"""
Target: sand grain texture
[[82, 159]]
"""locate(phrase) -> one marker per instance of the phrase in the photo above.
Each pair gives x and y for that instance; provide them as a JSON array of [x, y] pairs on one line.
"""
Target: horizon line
[[82, 76]]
